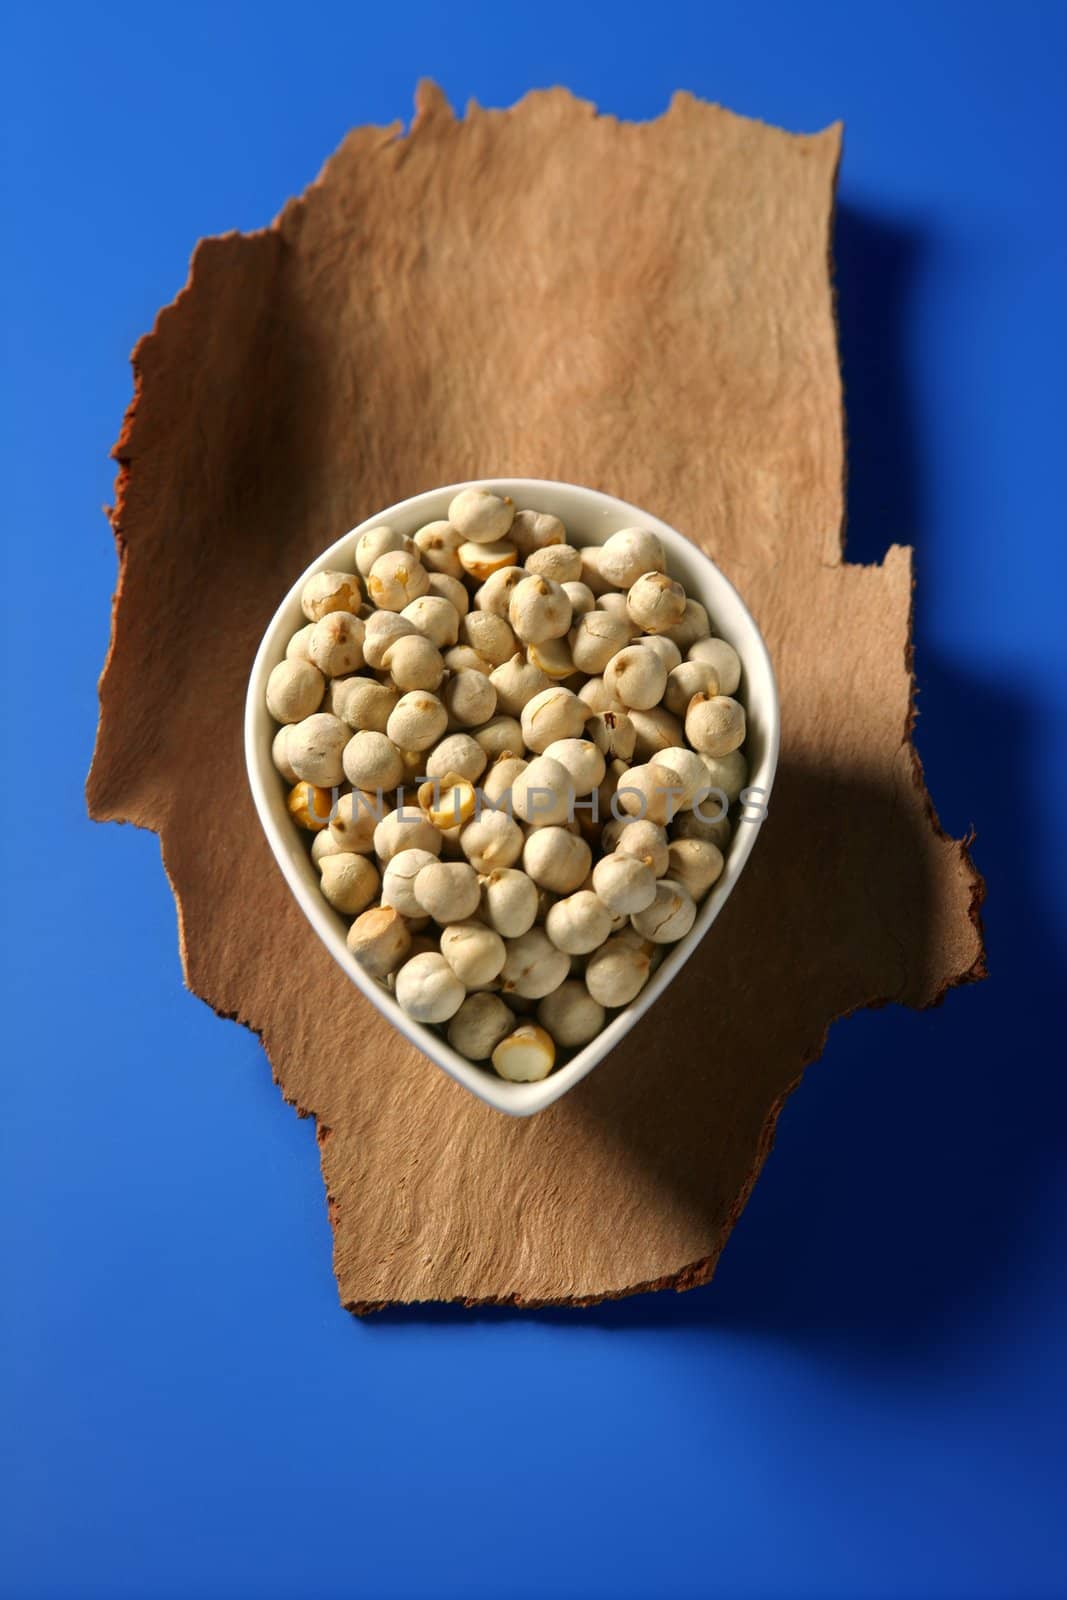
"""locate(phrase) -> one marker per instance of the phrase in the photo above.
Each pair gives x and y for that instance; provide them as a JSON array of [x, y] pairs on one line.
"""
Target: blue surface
[[869, 1400]]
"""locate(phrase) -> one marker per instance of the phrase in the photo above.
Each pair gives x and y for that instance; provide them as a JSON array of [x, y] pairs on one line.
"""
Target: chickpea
[[336, 644], [571, 1015], [556, 859], [434, 617], [475, 953], [516, 681], [414, 662], [669, 917], [723, 660], [534, 530], [349, 882], [686, 680], [538, 610], [396, 579], [470, 699], [636, 677], [479, 1025], [481, 516], [314, 749], [417, 721], [294, 690], [695, 864], [375, 542], [617, 972], [427, 988], [656, 603], [553, 714], [372, 761], [560, 562], [330, 591], [379, 940], [438, 544], [715, 724]]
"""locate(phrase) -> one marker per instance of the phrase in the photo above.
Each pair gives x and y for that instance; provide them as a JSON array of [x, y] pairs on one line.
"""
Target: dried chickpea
[[656, 603], [309, 806], [534, 530], [372, 761], [354, 821], [462, 658], [414, 662], [722, 658], [543, 792], [438, 545], [480, 561], [475, 953], [560, 562], [571, 1015], [525, 1056], [398, 880], [278, 755], [636, 678], [375, 542], [686, 680], [396, 579], [480, 515], [499, 736], [492, 840], [695, 864], [349, 882], [436, 618], [617, 972], [427, 988], [330, 591], [533, 967], [553, 714], [406, 828], [491, 636], [669, 917], [579, 923], [479, 1025], [516, 681], [451, 589], [381, 629], [553, 658], [538, 609], [629, 554], [693, 626], [715, 724], [379, 940], [294, 690], [556, 859], [417, 721], [314, 749], [598, 636], [448, 891], [458, 756], [470, 699], [494, 595]]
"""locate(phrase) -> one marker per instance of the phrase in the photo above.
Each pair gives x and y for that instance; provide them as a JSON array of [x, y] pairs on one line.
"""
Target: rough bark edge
[[430, 101]]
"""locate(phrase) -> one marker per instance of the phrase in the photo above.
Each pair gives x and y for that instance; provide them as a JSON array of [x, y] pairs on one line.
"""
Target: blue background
[[869, 1400]]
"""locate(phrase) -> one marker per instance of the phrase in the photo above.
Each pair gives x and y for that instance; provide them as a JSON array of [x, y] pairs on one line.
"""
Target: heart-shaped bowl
[[589, 517]]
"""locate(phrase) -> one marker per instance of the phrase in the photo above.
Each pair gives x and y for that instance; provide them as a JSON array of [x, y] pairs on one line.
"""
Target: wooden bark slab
[[541, 292]]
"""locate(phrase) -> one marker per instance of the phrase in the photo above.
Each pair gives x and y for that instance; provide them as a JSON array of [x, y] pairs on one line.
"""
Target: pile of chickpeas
[[515, 759]]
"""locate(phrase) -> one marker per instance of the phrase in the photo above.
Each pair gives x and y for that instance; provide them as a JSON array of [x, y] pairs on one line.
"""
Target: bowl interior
[[589, 517]]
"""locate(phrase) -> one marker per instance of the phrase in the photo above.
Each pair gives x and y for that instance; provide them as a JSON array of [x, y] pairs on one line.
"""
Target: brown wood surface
[[540, 292]]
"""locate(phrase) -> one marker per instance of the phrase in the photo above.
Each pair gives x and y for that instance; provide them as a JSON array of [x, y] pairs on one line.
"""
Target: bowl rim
[[295, 864]]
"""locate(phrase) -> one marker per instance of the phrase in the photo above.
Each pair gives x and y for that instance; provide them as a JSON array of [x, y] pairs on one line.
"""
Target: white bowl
[[589, 517]]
